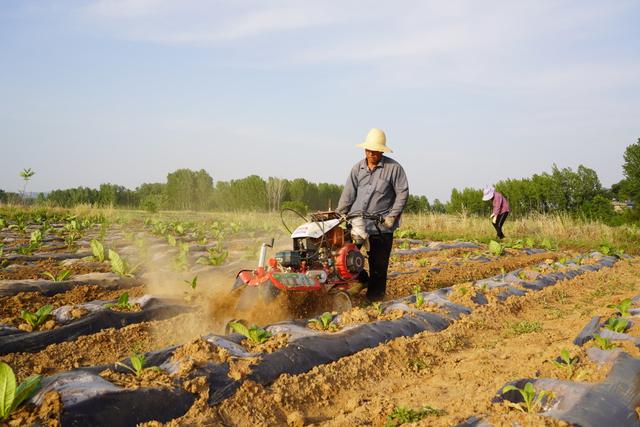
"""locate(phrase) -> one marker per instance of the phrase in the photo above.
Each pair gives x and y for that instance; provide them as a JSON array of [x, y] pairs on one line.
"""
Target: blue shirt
[[381, 191]]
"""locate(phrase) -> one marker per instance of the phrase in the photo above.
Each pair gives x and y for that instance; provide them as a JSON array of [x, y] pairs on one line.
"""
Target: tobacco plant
[[496, 248], [217, 256], [419, 297], [38, 318], [623, 306], [122, 303], [324, 321], [119, 265], [566, 361], [138, 362], [603, 343], [36, 238], [254, 334], [63, 275], [532, 400], [11, 397], [97, 249], [547, 244], [617, 324], [26, 250]]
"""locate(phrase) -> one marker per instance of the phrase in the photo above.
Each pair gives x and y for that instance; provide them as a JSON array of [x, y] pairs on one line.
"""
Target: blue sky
[[125, 91]]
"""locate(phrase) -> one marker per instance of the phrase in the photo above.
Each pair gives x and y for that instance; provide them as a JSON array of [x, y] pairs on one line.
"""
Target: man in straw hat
[[377, 185], [500, 209]]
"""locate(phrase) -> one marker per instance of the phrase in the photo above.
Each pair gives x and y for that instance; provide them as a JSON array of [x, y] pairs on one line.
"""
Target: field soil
[[458, 370]]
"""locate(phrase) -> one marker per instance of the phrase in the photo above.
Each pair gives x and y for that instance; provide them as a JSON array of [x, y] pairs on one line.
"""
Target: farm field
[[130, 309]]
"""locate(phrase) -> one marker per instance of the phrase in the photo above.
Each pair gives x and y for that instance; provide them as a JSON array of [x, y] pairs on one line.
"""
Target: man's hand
[[493, 218], [389, 221]]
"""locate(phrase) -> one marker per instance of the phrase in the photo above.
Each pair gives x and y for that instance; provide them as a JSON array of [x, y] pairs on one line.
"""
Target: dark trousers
[[379, 252], [499, 223]]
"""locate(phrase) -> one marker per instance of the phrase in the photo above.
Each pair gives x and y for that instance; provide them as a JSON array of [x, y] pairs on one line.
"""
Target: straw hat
[[376, 141], [488, 193]]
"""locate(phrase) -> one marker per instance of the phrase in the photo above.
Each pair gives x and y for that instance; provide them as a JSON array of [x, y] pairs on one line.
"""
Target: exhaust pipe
[[263, 253]]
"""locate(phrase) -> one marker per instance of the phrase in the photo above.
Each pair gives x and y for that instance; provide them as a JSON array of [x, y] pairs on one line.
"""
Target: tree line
[[562, 190], [186, 189]]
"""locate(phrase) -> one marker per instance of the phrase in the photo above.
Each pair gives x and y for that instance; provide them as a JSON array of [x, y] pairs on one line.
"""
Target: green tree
[[26, 175], [438, 207], [631, 168], [417, 204], [468, 200]]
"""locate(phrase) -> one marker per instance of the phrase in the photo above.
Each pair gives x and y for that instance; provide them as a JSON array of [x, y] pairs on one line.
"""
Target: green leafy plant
[[254, 334], [605, 249], [623, 306], [38, 318], [193, 282], [122, 303], [403, 415], [234, 227], [11, 397], [418, 364], [171, 240], [547, 244], [20, 225], [405, 245], [618, 253], [70, 238], [63, 275], [566, 361], [324, 321], [119, 265], [532, 400], [36, 238], [419, 297], [181, 261], [103, 231], [496, 248], [529, 242], [423, 262], [517, 244], [603, 343], [617, 324], [179, 229], [26, 250], [406, 234], [217, 256], [377, 306], [97, 249], [138, 362]]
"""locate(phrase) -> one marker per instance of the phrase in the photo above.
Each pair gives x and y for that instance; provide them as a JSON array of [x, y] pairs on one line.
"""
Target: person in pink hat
[[500, 209]]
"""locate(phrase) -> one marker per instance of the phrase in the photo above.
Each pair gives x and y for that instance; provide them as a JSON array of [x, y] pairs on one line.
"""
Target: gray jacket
[[383, 191]]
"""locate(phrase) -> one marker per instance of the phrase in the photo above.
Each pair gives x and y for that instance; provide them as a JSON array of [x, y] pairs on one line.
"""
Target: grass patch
[[403, 415], [525, 327]]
